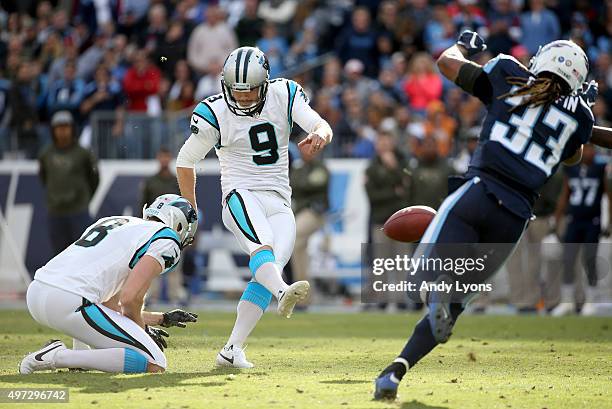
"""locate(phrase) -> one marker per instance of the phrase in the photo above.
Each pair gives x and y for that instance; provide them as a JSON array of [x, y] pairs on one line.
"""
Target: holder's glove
[[157, 335], [178, 318], [472, 42]]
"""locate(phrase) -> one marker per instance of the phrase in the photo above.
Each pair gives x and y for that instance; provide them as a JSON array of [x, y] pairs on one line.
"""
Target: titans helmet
[[563, 58]]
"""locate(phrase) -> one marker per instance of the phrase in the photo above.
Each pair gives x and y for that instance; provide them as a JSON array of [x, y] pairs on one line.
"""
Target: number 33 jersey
[[97, 265], [519, 150], [252, 150]]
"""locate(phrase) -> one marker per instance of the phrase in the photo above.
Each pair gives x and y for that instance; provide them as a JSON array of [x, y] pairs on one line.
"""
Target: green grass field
[[329, 361]]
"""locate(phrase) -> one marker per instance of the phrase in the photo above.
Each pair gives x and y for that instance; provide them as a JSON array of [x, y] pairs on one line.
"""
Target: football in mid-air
[[409, 224]]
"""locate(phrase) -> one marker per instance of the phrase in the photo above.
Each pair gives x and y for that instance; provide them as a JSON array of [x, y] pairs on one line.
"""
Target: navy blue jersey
[[586, 184], [519, 151]]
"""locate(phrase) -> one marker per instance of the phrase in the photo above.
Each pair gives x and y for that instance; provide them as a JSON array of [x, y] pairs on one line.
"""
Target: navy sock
[[420, 343]]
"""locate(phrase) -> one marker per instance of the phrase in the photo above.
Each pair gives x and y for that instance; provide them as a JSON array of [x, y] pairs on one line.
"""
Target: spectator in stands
[[504, 27], [358, 41], [305, 47], [66, 93], [210, 84], [24, 112], [91, 58], [171, 48], [105, 95], [441, 126], [466, 15], [279, 12], [429, 175], [388, 189], [539, 26], [423, 84], [439, 32], [55, 57], [364, 86], [275, 47], [387, 27], [69, 174], [181, 93], [249, 27], [389, 85], [210, 41], [155, 30], [309, 180], [141, 83]]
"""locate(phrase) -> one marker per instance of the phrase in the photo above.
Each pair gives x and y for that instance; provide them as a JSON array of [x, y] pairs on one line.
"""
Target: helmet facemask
[[245, 69]]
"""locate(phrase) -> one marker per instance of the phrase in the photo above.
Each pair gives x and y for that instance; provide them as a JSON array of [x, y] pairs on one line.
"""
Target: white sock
[[248, 316], [270, 276], [105, 360]]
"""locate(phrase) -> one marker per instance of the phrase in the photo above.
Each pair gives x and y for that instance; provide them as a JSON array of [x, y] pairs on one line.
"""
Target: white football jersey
[[252, 150], [97, 265]]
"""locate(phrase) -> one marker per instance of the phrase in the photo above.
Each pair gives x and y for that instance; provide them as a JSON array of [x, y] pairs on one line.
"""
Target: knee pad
[[260, 258], [134, 362], [257, 294]]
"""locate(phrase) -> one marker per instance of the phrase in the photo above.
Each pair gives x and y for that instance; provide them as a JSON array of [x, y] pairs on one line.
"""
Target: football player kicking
[[94, 291], [249, 126], [537, 118]]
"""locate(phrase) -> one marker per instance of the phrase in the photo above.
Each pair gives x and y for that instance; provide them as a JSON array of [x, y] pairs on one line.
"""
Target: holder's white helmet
[[563, 58], [175, 212], [245, 69]]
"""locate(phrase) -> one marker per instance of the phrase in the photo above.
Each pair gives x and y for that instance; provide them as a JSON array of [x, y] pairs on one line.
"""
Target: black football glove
[[589, 92], [157, 335], [178, 318], [472, 42]]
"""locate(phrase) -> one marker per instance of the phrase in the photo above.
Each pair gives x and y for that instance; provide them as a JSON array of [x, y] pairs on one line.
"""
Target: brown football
[[409, 224]]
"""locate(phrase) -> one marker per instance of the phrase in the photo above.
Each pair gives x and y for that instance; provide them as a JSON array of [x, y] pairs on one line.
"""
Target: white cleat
[[43, 359], [564, 309], [234, 357], [295, 293]]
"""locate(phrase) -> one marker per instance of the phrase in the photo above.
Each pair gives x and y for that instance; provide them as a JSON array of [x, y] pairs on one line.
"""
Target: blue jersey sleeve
[[499, 69]]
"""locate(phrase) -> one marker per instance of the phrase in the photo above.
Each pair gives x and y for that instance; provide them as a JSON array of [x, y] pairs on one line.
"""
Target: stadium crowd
[[369, 64], [129, 72]]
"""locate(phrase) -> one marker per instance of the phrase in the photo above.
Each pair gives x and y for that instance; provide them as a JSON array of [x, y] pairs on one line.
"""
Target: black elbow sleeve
[[468, 74]]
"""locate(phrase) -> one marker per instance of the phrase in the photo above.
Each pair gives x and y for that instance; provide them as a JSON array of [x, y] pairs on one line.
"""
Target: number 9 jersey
[[97, 265], [252, 150]]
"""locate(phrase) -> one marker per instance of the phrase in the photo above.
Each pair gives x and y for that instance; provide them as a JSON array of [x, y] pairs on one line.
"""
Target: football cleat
[[233, 356], [295, 293], [386, 387], [563, 309], [439, 315], [43, 359]]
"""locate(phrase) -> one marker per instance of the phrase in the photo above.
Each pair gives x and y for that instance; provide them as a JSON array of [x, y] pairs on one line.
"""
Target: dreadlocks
[[543, 90]]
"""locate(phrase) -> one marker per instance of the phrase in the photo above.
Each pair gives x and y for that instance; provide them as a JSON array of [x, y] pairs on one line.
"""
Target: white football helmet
[[175, 212], [563, 58], [246, 68]]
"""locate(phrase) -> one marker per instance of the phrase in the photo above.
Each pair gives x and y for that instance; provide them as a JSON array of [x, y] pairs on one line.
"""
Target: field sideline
[[329, 361]]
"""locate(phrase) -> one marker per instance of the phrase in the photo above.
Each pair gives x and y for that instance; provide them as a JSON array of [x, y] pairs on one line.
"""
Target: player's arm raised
[[195, 148], [453, 63]]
